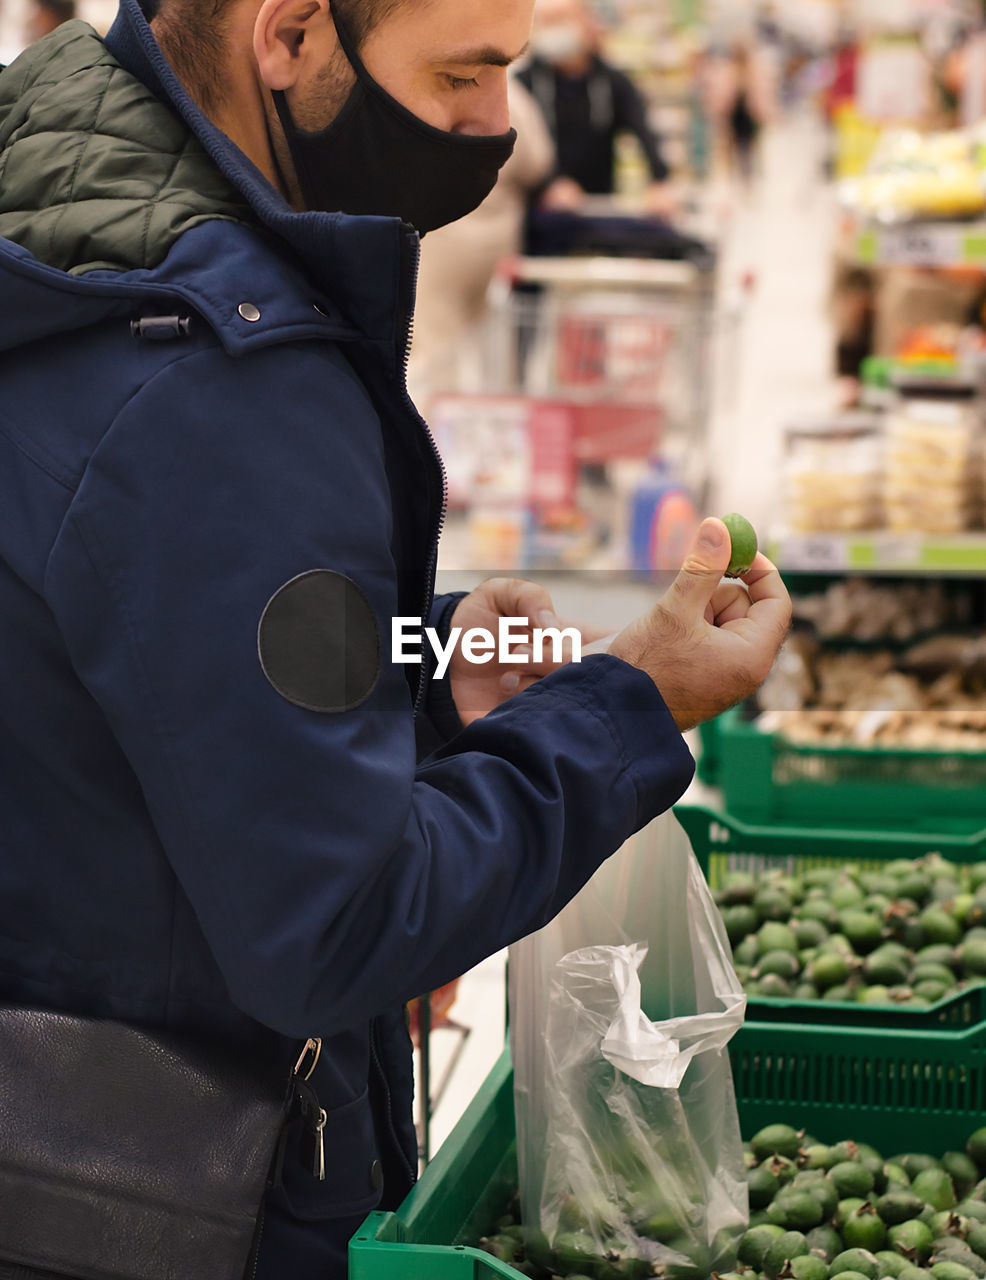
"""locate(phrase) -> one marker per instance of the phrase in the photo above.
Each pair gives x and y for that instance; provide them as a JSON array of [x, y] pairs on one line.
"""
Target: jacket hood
[[114, 185]]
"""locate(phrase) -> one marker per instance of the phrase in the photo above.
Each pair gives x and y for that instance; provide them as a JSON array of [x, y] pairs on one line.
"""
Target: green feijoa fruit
[[739, 886], [787, 1247], [752, 988], [575, 1249], [913, 1239], [945, 889], [805, 991], [809, 933], [976, 1147], [972, 957], [747, 952], [946, 1222], [828, 971], [837, 944], [974, 1209], [821, 877], [864, 1229], [885, 968], [739, 921], [946, 1270], [860, 1260], [935, 1188], [863, 930], [846, 1208], [911, 1272], [825, 1193], [873, 995], [891, 1264], [800, 1209], [773, 986], [824, 1241], [896, 1176], [851, 1179], [743, 973], [939, 926], [774, 936], [960, 906], [503, 1248], [952, 1249], [899, 1204], [776, 1139], [931, 991], [853, 1275], [926, 972], [977, 875], [743, 539], [914, 1163], [754, 1244], [809, 1267], [842, 1151], [915, 886], [782, 963], [845, 893], [844, 993], [818, 910], [976, 1238], [938, 954], [961, 1169], [772, 904], [876, 903], [814, 1156]]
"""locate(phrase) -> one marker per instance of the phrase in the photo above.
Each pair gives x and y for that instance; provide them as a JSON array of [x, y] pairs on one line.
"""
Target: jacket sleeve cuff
[[439, 705], [628, 704]]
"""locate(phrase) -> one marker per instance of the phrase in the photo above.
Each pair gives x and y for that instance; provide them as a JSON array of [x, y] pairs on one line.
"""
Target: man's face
[[445, 60], [562, 29]]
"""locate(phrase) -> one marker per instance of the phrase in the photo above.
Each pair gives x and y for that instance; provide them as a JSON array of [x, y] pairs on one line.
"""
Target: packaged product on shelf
[[833, 474], [915, 175], [934, 478]]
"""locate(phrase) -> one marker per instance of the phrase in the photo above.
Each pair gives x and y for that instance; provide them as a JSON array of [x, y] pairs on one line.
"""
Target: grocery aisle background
[[779, 234]]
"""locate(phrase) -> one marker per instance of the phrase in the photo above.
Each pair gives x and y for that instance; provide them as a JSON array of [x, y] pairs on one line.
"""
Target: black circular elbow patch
[[319, 642]]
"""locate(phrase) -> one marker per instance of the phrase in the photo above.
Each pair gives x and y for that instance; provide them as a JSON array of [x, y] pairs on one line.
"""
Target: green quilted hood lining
[[96, 172]]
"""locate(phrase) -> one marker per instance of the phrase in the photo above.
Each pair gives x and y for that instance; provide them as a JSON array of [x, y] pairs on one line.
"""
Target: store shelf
[[917, 244], [879, 552]]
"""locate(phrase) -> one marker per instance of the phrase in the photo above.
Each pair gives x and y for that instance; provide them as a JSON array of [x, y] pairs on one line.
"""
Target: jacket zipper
[[412, 242], [392, 1132], [256, 1247]]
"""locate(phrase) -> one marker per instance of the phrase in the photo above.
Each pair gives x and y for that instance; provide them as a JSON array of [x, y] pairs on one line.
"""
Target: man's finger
[[518, 598], [707, 560], [730, 601]]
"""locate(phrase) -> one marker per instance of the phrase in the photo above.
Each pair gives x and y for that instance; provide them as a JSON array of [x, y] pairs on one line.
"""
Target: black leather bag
[[129, 1154]]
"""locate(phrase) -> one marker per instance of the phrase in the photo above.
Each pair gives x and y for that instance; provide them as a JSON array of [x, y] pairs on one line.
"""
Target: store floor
[[778, 371]]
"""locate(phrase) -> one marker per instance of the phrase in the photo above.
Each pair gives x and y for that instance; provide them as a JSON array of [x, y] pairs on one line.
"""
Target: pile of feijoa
[[909, 933], [819, 1212]]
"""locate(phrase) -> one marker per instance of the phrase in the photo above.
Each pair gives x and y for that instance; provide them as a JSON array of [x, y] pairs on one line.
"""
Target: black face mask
[[376, 157]]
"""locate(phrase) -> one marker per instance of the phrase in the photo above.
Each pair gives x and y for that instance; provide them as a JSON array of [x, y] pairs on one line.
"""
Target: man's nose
[[490, 113]]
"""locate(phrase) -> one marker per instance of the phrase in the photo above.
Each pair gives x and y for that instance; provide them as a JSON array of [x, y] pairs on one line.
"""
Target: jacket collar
[[359, 265]]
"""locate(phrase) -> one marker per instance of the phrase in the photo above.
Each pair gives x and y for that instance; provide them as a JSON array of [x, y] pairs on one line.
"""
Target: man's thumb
[[707, 560]]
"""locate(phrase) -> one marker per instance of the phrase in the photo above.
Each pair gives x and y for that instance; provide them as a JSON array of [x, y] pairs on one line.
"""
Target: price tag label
[[921, 245], [814, 553], [898, 551]]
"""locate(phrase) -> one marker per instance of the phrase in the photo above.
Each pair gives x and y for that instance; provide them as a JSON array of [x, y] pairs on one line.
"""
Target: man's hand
[[707, 644], [478, 688]]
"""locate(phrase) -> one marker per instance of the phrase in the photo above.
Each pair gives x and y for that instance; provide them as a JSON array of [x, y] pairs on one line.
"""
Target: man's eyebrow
[[485, 56]]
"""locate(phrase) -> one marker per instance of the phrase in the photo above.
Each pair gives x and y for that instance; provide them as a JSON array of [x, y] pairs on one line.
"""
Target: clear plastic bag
[[630, 1156]]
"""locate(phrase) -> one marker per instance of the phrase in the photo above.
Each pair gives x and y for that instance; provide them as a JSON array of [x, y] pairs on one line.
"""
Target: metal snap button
[[321, 310], [249, 311]]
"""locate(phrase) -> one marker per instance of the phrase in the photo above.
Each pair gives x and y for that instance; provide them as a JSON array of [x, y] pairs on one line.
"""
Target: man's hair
[[63, 10], [192, 34]]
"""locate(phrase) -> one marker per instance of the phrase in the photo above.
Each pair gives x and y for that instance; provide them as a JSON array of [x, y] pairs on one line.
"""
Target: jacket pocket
[[353, 1182]]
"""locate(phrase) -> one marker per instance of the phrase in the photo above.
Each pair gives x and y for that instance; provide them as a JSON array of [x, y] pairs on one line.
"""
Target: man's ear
[[284, 34]]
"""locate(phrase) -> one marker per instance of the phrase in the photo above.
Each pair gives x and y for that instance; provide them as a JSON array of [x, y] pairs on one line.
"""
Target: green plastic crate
[[723, 843], [766, 778], [898, 1090]]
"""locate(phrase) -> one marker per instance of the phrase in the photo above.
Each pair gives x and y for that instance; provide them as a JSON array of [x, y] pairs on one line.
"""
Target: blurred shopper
[[587, 103], [458, 262], [45, 15]]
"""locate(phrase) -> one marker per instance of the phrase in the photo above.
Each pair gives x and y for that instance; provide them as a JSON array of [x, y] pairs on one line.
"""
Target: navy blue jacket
[[182, 845]]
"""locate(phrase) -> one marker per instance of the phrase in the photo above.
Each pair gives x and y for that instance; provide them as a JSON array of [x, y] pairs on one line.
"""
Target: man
[[45, 15], [587, 103], [215, 500]]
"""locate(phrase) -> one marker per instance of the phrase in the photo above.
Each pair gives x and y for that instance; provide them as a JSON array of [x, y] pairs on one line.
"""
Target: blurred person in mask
[[587, 103], [458, 262], [233, 803]]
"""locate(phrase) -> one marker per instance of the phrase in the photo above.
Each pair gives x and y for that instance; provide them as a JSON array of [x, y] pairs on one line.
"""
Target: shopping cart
[[580, 363]]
